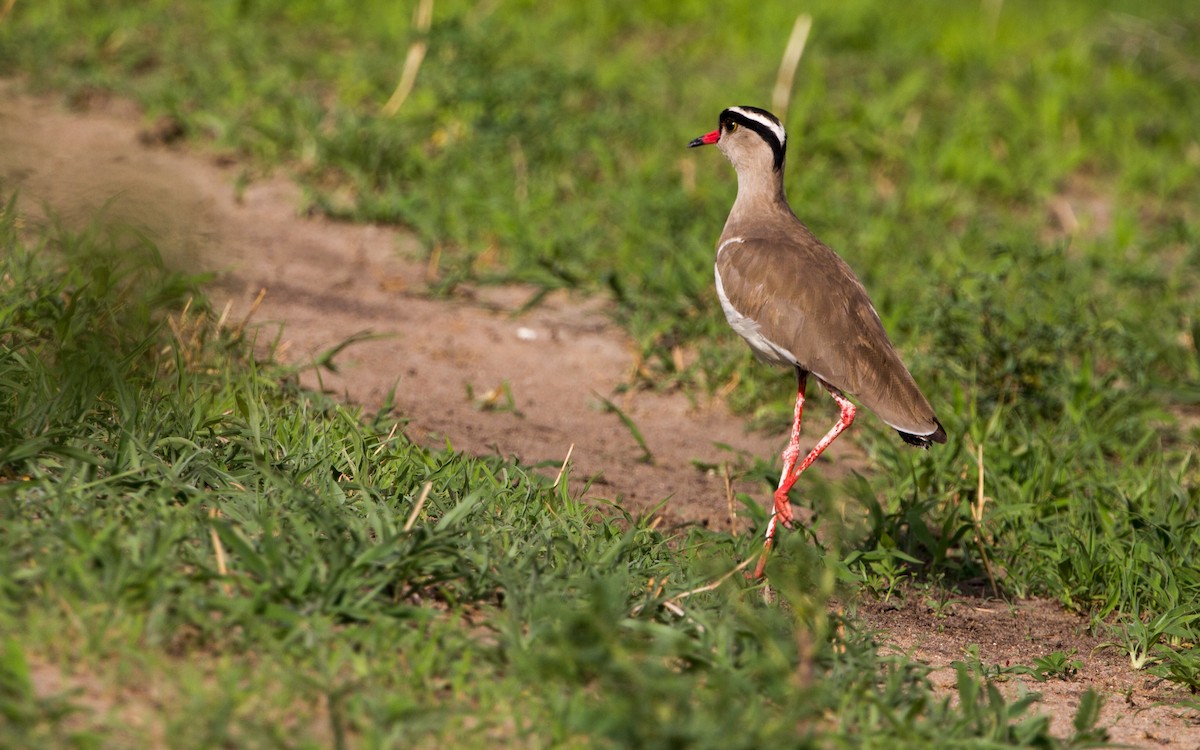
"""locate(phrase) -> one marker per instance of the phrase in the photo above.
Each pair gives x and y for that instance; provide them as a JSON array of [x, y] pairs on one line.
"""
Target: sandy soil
[[326, 281]]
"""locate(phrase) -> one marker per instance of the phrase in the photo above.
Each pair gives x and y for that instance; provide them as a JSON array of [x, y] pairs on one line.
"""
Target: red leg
[[791, 472], [762, 560], [847, 418], [783, 508]]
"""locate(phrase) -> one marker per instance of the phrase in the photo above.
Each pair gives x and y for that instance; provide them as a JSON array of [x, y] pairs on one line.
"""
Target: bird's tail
[[924, 441]]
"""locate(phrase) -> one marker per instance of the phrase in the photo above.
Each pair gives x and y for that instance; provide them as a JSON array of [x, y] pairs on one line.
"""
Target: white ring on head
[[769, 122]]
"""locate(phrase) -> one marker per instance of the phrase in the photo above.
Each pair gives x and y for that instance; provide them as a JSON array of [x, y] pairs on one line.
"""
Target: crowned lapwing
[[798, 304]]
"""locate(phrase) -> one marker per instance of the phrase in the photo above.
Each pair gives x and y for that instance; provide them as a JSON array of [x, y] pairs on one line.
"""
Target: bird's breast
[[749, 329]]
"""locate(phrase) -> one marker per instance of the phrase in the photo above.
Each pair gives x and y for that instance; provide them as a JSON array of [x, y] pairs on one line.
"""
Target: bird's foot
[[783, 508]]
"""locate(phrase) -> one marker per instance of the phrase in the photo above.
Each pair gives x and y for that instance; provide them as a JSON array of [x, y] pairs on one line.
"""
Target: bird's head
[[751, 138]]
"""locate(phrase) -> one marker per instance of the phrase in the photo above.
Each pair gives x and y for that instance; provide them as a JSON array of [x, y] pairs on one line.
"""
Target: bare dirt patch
[[1138, 709], [326, 281]]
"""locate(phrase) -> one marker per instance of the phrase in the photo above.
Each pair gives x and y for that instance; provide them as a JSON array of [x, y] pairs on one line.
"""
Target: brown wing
[[807, 301]]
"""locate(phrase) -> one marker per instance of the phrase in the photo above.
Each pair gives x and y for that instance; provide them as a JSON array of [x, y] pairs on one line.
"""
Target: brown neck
[[760, 196]]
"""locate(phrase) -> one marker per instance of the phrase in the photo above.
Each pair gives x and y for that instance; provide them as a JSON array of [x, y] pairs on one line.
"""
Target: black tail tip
[[924, 441]]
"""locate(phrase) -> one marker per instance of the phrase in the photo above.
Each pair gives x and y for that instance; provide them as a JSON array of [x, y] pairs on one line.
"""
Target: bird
[[798, 304]]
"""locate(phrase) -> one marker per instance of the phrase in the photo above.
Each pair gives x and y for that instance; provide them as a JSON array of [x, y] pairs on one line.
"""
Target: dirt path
[[326, 281]]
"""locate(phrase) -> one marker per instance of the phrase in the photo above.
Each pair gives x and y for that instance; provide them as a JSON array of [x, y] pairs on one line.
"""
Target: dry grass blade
[[189, 333], [717, 583], [412, 517], [224, 315], [520, 169], [383, 443], [422, 19], [781, 97], [563, 469], [240, 327], [219, 552], [977, 508], [730, 386], [672, 604], [729, 497], [433, 265], [991, 15]]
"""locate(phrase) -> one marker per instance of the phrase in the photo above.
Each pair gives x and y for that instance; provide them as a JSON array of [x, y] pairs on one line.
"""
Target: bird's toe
[[783, 509]]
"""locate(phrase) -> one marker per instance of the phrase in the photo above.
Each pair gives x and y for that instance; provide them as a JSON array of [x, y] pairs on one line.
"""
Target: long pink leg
[[846, 419], [791, 472], [791, 453]]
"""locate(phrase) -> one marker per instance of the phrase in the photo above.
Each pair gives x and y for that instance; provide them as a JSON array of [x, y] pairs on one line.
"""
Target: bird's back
[[807, 302]]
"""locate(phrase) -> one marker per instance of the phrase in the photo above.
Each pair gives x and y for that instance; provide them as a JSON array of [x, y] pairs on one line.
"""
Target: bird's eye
[[731, 126]]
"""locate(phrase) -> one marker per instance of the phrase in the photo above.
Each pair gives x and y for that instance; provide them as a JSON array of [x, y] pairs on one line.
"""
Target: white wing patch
[[747, 328]]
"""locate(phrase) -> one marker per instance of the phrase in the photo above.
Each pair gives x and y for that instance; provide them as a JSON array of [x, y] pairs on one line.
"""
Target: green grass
[[922, 140], [546, 144], [213, 557]]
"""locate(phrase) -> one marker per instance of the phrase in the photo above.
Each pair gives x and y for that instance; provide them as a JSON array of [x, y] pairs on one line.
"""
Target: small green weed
[[1179, 665], [1058, 664], [1145, 640]]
